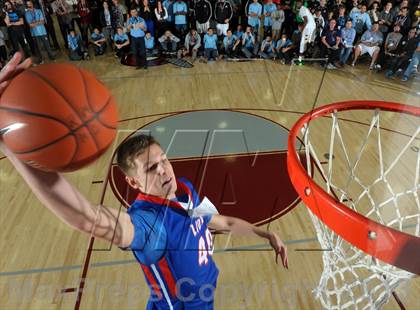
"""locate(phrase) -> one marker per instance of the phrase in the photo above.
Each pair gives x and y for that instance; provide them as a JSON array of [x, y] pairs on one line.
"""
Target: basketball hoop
[[368, 252]]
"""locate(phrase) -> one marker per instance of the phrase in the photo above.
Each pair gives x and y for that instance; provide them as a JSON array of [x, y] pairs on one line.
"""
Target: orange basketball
[[60, 117]]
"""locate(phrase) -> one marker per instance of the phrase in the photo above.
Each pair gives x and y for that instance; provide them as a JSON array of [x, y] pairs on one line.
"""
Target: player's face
[[154, 174]]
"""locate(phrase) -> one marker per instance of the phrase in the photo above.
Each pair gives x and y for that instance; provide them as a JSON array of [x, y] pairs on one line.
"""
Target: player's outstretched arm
[[60, 196], [243, 228]]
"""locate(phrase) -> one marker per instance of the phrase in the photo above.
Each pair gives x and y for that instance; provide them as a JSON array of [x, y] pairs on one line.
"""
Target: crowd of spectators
[[336, 32]]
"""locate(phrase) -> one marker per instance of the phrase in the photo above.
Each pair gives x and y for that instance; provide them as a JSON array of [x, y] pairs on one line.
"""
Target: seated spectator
[[121, 43], [285, 49], [403, 53], [75, 43], [391, 44], [231, 44], [403, 20], [330, 42], [249, 44], [414, 63], [374, 12], [348, 34], [98, 40], [191, 45], [169, 42], [267, 49], [210, 45], [239, 32], [370, 43], [149, 42]]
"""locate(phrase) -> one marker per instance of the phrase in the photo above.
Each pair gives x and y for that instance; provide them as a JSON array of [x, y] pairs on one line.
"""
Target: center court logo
[[236, 159]]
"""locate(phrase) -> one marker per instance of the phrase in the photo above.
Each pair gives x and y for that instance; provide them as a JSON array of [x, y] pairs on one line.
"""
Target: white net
[[378, 181]]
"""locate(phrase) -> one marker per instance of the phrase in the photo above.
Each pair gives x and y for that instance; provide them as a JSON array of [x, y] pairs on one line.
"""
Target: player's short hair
[[131, 148]]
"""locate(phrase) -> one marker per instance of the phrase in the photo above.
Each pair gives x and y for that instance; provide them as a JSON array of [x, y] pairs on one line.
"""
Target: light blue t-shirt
[[136, 33], [229, 42], [35, 16], [121, 38], [254, 8], [249, 40], [149, 42], [268, 8], [179, 7], [210, 41]]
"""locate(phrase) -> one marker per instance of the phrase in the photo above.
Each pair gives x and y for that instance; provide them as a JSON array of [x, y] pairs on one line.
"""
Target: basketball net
[[351, 278]]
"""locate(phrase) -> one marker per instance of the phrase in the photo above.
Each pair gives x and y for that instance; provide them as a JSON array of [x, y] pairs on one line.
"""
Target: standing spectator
[[169, 6], [85, 19], [277, 18], [254, 15], [75, 43], [336, 8], [191, 45], [341, 18], [203, 13], [285, 49], [403, 20], [230, 44], [370, 43], [98, 40], [308, 32], [15, 24], [267, 49], [35, 20], [289, 19], [105, 18], [324, 10], [121, 43], [210, 46], [3, 50], [161, 14], [319, 25], [137, 28], [180, 13], [222, 14], [47, 11], [414, 63], [374, 12], [268, 9], [249, 44], [169, 43], [118, 14], [237, 12], [330, 40], [386, 18], [361, 20], [62, 11], [348, 35], [147, 14]]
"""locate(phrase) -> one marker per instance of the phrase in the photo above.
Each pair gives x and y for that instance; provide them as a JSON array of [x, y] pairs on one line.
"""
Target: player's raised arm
[[60, 196], [243, 228]]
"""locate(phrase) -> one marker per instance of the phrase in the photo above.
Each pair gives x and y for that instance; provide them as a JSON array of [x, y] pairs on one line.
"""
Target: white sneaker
[[331, 66]]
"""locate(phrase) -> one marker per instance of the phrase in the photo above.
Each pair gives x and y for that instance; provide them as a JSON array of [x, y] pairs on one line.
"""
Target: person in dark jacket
[[105, 20], [203, 12], [223, 12]]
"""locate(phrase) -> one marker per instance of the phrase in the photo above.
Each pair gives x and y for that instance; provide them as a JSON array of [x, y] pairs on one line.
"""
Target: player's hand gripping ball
[[57, 117]]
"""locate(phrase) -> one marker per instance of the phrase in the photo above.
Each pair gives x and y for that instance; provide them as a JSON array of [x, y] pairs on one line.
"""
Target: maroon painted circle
[[252, 186]]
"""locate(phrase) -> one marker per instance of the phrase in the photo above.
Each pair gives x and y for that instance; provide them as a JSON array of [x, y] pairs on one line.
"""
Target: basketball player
[[308, 32], [171, 241]]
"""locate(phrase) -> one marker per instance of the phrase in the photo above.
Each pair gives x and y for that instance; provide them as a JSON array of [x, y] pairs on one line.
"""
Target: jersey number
[[205, 248]]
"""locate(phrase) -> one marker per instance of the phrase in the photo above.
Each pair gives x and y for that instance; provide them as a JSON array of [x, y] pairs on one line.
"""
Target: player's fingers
[[23, 66], [10, 67], [277, 258]]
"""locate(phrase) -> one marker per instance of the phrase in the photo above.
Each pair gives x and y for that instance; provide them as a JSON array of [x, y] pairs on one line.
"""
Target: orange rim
[[390, 246]]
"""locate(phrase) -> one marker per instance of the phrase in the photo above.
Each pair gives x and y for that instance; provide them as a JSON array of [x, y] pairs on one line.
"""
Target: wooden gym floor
[[42, 259]]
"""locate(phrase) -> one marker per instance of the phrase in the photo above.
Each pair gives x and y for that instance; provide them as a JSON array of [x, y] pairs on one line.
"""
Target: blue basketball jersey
[[174, 249]]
